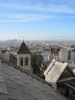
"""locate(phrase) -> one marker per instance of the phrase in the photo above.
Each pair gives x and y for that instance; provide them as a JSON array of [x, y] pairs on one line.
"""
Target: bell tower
[[24, 57]]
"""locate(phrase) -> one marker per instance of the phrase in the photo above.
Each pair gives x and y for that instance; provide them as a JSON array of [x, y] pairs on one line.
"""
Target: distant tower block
[[24, 57]]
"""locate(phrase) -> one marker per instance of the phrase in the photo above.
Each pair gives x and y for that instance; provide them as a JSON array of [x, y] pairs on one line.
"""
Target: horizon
[[37, 20], [15, 39]]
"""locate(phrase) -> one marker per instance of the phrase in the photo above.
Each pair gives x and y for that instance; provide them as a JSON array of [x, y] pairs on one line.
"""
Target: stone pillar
[[18, 61], [23, 61]]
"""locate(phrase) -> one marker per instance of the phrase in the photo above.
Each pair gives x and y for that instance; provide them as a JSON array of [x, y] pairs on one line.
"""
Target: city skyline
[[37, 19]]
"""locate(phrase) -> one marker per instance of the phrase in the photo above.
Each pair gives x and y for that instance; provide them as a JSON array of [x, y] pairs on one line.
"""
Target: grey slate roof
[[23, 49], [16, 85]]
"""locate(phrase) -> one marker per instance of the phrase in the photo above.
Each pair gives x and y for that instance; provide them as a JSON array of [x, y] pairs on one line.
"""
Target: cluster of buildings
[[68, 55], [59, 72]]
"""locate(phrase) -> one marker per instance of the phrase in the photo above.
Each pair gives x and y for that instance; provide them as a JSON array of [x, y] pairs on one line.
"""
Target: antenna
[[23, 38]]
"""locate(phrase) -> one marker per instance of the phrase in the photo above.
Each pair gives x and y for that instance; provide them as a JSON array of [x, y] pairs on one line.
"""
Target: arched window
[[26, 61], [21, 61]]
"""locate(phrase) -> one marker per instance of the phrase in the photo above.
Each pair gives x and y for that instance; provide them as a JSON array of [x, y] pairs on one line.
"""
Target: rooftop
[[23, 49], [16, 85], [54, 71]]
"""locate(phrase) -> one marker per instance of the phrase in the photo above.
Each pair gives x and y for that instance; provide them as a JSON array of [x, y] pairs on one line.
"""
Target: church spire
[[23, 49]]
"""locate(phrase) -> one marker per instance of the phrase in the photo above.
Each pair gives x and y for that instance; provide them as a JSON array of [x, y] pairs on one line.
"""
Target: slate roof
[[16, 85], [54, 71], [23, 49]]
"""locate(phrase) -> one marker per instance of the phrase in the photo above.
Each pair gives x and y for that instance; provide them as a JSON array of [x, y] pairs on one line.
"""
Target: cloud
[[35, 10], [24, 17], [53, 6], [32, 17]]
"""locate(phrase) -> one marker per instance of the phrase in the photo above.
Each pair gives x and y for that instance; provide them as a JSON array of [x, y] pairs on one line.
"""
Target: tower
[[24, 57]]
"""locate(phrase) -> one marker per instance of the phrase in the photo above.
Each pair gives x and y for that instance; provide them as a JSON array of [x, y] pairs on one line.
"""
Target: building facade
[[63, 55], [67, 55]]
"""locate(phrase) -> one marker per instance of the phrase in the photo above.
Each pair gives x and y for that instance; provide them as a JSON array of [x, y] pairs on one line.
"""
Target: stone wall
[[25, 67]]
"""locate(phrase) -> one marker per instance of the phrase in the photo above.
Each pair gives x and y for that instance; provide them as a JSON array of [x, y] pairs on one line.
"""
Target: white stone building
[[63, 55], [24, 57], [67, 55]]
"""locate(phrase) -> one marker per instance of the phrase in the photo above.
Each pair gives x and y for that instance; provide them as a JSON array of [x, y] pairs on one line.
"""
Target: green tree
[[36, 61], [1, 56]]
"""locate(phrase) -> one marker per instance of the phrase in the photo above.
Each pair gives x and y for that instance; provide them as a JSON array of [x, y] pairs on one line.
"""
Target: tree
[[36, 61], [1, 56]]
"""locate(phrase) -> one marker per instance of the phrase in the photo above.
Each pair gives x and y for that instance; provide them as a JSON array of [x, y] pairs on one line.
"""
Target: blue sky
[[37, 19]]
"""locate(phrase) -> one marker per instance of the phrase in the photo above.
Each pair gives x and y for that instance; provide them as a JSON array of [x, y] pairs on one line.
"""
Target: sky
[[37, 19]]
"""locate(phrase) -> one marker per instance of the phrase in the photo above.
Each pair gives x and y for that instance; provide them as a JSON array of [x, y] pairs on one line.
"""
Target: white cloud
[[65, 6], [25, 17], [9, 14], [31, 17]]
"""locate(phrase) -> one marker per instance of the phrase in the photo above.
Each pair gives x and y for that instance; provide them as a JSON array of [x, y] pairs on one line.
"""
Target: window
[[21, 61], [26, 61]]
